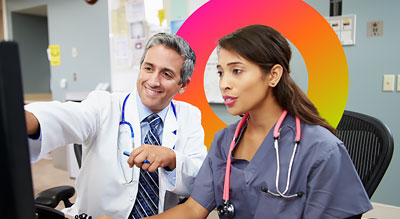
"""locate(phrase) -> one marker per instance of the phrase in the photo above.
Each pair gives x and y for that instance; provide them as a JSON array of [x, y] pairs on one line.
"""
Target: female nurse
[[277, 167], [300, 171]]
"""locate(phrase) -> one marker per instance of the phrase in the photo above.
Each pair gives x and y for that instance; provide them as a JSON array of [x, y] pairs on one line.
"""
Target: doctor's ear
[[275, 75], [184, 85]]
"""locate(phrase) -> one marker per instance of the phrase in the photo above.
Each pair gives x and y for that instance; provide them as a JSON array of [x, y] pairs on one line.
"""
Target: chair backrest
[[370, 145]]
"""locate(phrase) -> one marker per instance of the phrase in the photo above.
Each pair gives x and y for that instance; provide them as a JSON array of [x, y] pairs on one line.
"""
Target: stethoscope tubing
[[124, 122], [228, 160], [276, 135]]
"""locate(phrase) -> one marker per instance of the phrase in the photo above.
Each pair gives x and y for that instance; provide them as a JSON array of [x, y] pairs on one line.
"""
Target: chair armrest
[[51, 197]]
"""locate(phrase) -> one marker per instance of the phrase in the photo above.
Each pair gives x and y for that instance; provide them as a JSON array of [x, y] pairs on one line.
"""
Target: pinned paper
[[161, 15], [54, 55]]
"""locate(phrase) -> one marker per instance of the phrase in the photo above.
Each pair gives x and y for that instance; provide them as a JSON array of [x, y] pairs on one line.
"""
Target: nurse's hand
[[104, 217], [158, 156]]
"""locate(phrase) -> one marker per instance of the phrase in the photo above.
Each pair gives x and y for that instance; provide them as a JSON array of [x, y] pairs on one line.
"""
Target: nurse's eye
[[237, 71], [220, 73]]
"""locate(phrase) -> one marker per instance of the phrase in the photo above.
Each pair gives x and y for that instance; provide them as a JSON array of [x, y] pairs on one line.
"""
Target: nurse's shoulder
[[320, 142]]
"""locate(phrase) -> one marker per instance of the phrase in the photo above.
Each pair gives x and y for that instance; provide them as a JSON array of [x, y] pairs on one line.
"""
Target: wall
[[31, 33], [74, 24]]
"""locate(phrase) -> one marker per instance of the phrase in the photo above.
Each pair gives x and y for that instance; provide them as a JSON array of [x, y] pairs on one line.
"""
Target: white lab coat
[[101, 186]]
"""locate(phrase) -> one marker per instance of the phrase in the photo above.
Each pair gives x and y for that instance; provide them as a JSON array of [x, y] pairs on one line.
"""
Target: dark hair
[[178, 44], [266, 47]]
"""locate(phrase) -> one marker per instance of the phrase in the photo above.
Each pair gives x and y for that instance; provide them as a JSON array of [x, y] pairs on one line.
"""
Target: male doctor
[[164, 137]]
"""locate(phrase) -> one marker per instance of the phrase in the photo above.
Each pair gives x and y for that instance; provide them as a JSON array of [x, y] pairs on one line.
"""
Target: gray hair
[[178, 44]]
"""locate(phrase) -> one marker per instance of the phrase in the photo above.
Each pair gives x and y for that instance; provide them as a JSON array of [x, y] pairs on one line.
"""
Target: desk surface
[[35, 97]]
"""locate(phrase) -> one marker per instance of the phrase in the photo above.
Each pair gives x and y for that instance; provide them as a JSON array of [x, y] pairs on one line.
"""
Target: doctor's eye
[[220, 73], [147, 68], [167, 75]]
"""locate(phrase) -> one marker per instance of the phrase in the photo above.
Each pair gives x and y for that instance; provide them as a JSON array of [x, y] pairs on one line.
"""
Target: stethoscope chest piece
[[227, 209]]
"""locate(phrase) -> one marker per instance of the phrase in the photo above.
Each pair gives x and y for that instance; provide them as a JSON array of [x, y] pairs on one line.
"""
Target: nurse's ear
[[275, 75]]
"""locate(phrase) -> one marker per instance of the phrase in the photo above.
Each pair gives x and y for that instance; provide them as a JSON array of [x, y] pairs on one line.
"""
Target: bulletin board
[[211, 80], [131, 25]]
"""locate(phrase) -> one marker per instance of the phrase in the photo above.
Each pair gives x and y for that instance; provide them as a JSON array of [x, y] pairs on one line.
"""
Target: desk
[[36, 97], [69, 217]]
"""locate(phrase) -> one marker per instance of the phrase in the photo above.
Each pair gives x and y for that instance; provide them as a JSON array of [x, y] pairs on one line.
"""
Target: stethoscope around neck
[[132, 134], [227, 209]]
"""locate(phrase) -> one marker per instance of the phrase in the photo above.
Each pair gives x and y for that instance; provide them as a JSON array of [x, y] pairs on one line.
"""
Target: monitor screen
[[16, 179]]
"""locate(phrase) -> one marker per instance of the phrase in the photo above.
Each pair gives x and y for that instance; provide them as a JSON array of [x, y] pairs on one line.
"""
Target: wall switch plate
[[74, 52], [388, 83], [63, 83], [398, 83]]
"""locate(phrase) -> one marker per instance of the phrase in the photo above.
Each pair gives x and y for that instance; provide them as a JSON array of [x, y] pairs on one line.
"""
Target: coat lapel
[[170, 132], [132, 116]]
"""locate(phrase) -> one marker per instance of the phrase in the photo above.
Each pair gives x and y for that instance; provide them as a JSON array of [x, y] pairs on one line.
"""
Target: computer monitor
[[16, 179]]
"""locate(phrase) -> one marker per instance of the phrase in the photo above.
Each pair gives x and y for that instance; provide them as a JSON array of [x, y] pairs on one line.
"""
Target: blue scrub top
[[322, 170]]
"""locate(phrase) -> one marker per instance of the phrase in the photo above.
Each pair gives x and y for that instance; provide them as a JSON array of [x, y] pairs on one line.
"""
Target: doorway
[[30, 31]]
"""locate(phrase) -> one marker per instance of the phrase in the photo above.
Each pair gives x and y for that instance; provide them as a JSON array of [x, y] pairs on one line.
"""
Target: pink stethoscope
[[227, 209]]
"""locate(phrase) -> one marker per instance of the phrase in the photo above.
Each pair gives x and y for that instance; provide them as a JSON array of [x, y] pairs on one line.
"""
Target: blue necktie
[[146, 203]]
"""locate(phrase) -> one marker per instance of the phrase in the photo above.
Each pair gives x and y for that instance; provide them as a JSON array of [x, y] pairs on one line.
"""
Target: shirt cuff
[[37, 137], [171, 175]]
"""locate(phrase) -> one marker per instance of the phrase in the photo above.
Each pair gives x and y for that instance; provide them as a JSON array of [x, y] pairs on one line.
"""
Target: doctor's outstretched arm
[[32, 123]]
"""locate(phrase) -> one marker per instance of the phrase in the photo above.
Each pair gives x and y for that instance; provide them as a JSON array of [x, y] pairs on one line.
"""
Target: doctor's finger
[[139, 159], [153, 166], [131, 161], [137, 151], [145, 166], [134, 154]]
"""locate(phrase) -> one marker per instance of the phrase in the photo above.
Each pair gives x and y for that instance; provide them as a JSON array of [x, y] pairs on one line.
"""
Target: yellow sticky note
[[54, 55], [161, 15]]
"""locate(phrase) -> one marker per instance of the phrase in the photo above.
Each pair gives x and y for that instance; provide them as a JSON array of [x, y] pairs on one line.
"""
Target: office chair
[[48, 199], [370, 145]]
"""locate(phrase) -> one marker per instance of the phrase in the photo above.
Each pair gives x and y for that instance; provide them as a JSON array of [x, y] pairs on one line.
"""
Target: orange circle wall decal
[[328, 76]]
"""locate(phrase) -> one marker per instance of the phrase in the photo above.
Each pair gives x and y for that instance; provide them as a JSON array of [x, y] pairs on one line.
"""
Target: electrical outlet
[[388, 83], [375, 28]]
